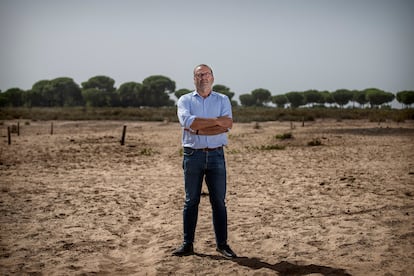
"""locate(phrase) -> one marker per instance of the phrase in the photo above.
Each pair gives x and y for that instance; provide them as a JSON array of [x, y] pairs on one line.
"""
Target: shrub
[[315, 142], [284, 136], [148, 151], [269, 147], [256, 125]]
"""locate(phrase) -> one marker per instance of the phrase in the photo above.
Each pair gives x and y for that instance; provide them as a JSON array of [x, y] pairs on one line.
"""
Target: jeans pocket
[[188, 151]]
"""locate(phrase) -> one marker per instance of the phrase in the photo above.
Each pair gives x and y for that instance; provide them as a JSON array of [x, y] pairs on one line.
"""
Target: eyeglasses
[[200, 75]]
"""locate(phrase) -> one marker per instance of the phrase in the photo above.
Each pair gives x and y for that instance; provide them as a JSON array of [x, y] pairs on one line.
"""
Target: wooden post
[[51, 128], [8, 135], [123, 136], [303, 121], [18, 128]]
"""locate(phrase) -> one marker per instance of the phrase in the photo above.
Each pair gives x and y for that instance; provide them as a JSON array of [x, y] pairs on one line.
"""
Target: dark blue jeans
[[211, 166]]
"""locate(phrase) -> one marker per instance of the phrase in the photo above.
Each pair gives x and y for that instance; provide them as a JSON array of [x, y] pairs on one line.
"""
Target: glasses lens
[[200, 75]]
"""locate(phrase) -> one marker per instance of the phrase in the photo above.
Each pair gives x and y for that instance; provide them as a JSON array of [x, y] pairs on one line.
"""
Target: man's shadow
[[283, 268]]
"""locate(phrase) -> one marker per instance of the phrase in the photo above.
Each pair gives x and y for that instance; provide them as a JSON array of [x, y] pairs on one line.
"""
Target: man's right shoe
[[184, 250]]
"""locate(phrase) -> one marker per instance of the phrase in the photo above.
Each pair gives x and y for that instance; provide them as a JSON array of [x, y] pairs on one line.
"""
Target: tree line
[[373, 97], [154, 91]]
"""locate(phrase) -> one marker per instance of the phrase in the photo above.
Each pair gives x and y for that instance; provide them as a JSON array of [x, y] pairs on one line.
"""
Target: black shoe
[[226, 251], [184, 250]]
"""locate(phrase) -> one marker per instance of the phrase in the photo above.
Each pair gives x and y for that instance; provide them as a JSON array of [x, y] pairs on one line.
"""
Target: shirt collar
[[195, 93]]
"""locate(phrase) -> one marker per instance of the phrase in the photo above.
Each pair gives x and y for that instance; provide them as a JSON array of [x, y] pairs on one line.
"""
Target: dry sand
[[78, 203]]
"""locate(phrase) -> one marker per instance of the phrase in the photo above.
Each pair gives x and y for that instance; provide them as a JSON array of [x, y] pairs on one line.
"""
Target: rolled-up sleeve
[[183, 112], [226, 107]]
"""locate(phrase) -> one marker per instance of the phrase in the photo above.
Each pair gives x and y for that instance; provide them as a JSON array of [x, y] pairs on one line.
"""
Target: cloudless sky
[[282, 46]]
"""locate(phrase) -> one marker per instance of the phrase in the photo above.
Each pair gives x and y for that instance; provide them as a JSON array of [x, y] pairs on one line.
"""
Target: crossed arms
[[212, 126]]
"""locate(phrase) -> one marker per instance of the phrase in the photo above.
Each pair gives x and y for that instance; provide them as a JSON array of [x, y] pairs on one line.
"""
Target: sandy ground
[[79, 203]]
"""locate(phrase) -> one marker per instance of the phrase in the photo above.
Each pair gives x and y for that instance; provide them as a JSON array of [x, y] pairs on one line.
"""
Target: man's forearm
[[214, 130], [203, 123]]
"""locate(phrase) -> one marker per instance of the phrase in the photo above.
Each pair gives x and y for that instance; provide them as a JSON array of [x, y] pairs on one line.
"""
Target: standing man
[[205, 117]]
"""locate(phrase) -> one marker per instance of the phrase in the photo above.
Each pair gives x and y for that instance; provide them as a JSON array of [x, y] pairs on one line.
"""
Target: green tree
[[96, 98], [104, 86], [406, 97], [101, 83], [12, 97], [3, 100], [129, 94], [377, 97], [359, 97], [41, 94], [156, 89], [32, 98], [342, 96], [280, 100], [312, 97], [261, 96], [65, 92], [181, 92], [247, 100], [326, 98], [295, 99]]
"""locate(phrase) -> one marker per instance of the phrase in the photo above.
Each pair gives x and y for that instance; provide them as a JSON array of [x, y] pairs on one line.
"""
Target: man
[[206, 117]]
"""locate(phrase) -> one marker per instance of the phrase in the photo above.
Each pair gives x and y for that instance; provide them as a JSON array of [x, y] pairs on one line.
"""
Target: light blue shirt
[[191, 106]]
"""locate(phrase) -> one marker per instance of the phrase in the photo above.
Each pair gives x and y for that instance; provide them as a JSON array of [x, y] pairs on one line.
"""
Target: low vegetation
[[267, 147], [284, 136], [315, 142], [169, 114]]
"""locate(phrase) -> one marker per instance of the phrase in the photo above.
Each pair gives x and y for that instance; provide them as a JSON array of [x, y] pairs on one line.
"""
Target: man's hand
[[225, 121]]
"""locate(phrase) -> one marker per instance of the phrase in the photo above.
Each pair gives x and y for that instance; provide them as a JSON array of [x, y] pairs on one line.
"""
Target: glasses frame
[[201, 75]]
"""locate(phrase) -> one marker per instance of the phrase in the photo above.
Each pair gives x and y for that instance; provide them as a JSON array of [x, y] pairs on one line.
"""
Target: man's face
[[203, 78]]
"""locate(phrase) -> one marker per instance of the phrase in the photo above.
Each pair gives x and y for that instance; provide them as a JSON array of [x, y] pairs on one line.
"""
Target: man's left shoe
[[226, 251]]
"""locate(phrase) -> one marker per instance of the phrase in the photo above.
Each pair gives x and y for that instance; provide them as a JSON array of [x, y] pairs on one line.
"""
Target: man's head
[[203, 78]]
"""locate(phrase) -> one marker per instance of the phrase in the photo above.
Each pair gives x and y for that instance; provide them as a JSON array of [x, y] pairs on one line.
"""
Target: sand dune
[[78, 203]]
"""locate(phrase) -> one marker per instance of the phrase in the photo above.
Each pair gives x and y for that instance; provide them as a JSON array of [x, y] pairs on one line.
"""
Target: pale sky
[[282, 46]]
